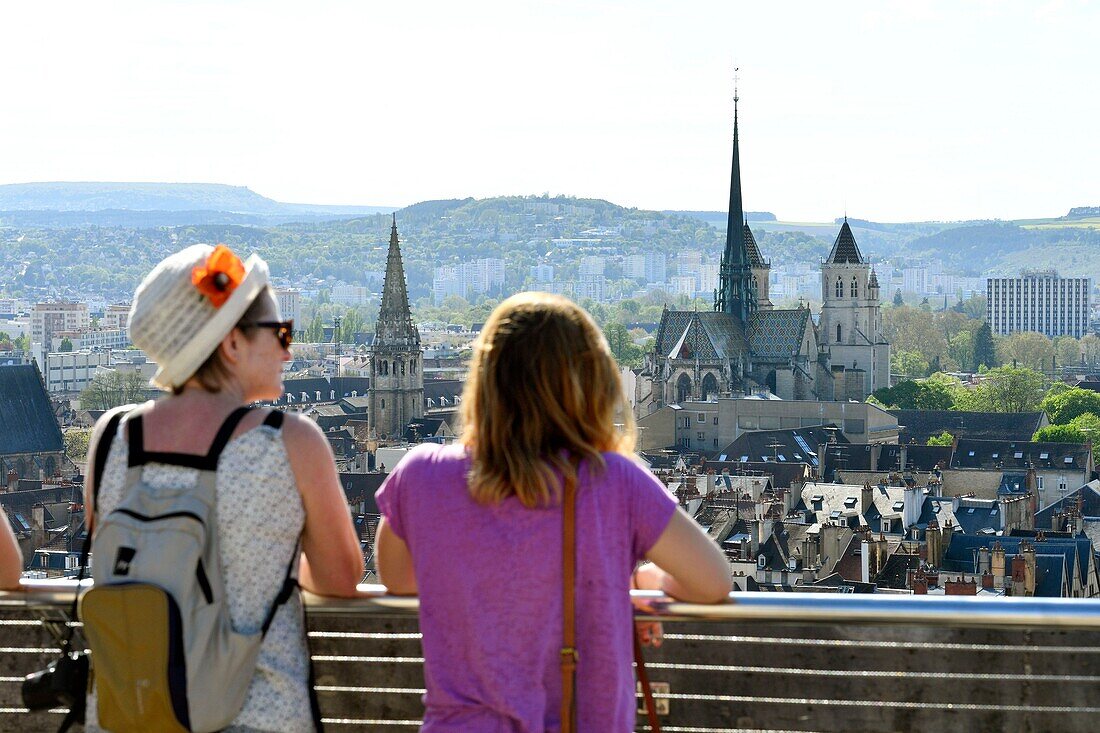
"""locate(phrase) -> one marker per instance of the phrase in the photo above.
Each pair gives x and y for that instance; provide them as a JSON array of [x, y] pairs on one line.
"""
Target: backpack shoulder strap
[[102, 449], [225, 433], [274, 419]]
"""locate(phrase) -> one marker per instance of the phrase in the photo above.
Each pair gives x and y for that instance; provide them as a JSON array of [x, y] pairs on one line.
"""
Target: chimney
[[13, 480], [1019, 572], [934, 541], [987, 581], [1028, 551], [865, 561], [38, 526], [904, 455], [867, 499], [711, 479], [788, 501], [960, 588], [983, 560], [918, 582], [997, 568]]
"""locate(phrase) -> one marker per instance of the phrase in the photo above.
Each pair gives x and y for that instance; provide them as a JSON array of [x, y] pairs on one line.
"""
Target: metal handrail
[[812, 608]]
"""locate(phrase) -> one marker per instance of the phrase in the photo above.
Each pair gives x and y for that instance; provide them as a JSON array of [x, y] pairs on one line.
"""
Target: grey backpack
[[165, 656]]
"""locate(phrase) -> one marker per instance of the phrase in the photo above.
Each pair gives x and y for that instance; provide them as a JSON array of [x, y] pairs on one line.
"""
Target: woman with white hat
[[212, 325]]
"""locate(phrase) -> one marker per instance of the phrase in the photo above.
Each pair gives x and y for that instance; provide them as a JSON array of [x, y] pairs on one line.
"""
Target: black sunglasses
[[284, 330]]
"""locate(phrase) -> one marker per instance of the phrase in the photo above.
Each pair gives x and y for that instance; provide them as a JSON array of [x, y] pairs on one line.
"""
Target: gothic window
[[838, 333], [412, 366], [710, 387], [683, 388], [855, 288], [395, 367], [839, 288], [402, 369], [383, 407]]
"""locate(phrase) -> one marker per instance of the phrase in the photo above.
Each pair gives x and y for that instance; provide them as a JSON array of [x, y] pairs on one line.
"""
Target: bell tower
[[396, 393]]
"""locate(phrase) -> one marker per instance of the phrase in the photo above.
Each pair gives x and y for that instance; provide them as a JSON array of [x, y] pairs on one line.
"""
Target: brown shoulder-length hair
[[543, 393]]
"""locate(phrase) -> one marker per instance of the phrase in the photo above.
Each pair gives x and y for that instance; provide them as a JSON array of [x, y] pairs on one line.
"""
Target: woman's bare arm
[[332, 562], [11, 558], [395, 565], [686, 564]]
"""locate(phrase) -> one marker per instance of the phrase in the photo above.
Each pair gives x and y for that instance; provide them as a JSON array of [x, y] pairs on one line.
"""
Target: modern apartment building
[[48, 319], [290, 305], [1039, 300]]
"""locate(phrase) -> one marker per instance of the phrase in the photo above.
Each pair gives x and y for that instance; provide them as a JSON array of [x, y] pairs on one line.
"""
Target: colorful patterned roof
[[777, 333], [755, 258], [706, 335]]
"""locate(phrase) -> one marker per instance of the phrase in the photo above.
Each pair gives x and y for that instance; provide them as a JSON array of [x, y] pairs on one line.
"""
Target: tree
[[1009, 389], [912, 395], [944, 438], [66, 345], [1026, 349], [623, 348], [111, 388], [76, 443], [985, 353], [1059, 434], [908, 364], [898, 300], [1090, 346], [315, 332], [1067, 350], [1067, 404]]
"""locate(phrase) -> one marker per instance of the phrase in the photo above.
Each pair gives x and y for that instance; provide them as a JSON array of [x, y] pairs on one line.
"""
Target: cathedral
[[396, 392], [746, 345]]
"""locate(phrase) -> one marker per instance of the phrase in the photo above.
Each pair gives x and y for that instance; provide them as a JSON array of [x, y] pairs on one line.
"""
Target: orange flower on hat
[[219, 276]]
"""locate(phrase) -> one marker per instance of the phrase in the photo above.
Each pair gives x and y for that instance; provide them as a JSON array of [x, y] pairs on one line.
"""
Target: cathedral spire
[[395, 324], [735, 293]]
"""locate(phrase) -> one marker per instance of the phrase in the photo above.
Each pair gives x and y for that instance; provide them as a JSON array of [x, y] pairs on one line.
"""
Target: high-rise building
[[396, 392], [48, 319], [290, 305], [1039, 300], [649, 267]]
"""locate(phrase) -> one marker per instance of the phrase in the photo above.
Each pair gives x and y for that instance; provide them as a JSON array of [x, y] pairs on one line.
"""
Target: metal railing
[[762, 661]]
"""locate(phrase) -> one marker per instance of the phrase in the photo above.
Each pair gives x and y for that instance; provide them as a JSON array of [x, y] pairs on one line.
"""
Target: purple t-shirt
[[490, 581]]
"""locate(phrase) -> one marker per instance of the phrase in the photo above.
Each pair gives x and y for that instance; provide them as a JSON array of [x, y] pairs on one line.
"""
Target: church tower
[[851, 320], [736, 294], [396, 393]]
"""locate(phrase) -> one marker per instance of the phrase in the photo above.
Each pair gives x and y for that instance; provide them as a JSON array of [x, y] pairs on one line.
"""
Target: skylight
[[834, 514], [722, 457], [1018, 454], [1069, 459], [996, 455], [971, 454], [781, 457], [898, 506], [1044, 455], [970, 510], [744, 459], [850, 502]]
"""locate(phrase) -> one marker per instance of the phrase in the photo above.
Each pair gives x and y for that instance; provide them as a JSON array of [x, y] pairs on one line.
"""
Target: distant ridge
[[163, 197]]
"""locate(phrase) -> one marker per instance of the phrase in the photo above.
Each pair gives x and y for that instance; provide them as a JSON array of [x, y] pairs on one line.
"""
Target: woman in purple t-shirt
[[476, 530]]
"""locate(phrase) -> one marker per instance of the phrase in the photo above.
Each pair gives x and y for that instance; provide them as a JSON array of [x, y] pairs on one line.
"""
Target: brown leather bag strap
[[569, 642], [643, 680]]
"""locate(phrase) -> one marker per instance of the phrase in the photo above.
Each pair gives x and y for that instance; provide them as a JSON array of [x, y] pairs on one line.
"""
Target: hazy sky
[[893, 111]]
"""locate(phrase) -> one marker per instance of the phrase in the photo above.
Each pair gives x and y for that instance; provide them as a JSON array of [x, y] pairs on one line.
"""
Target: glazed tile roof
[[755, 258], [778, 332], [706, 335]]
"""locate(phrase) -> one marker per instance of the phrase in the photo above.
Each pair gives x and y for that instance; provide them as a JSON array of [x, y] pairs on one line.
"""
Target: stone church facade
[[746, 344]]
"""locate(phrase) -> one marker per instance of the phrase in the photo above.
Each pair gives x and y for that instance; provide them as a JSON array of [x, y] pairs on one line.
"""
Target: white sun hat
[[189, 302]]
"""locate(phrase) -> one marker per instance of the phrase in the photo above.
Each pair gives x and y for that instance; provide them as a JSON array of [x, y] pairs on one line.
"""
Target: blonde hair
[[542, 395]]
